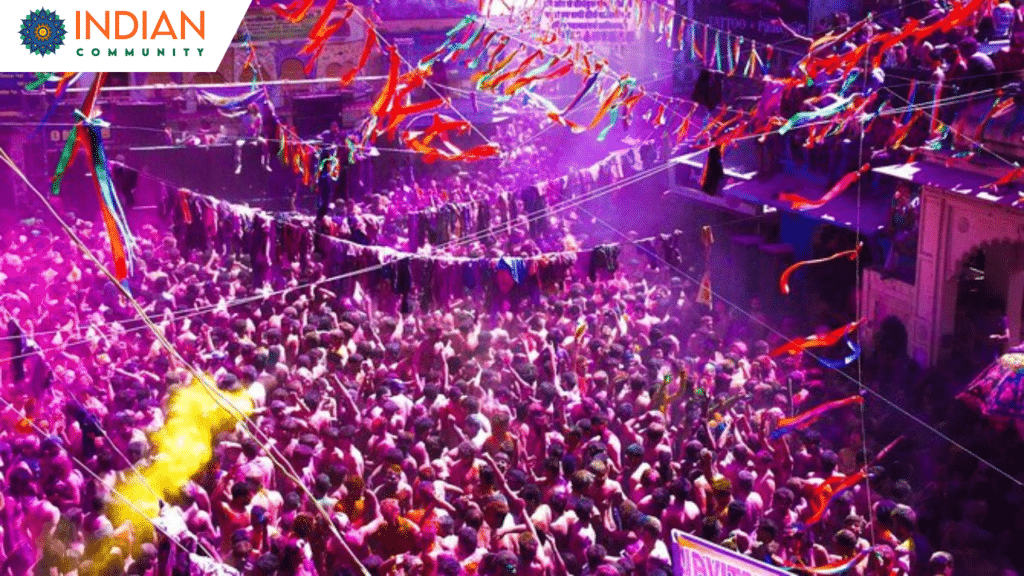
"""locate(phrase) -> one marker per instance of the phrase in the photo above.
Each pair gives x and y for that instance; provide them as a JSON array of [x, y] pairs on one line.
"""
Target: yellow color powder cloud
[[182, 449]]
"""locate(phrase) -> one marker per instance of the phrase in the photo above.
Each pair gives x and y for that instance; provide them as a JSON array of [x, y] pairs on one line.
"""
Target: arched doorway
[[292, 69], [208, 78], [247, 74], [988, 302]]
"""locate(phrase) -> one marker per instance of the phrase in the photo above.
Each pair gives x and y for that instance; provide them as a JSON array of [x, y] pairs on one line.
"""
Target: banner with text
[[754, 19], [118, 35], [692, 556]]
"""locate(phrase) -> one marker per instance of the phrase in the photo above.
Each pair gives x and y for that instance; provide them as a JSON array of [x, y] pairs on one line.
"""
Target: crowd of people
[[571, 437]]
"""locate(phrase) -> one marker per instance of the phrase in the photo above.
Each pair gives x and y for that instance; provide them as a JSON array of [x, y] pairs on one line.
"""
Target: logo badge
[[42, 32]]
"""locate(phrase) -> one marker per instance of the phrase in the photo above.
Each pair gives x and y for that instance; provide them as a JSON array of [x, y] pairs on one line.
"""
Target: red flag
[[371, 41]]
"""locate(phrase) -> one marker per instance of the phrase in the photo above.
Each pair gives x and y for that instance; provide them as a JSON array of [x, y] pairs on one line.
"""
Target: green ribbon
[[718, 52], [65, 159], [472, 38], [41, 78], [613, 117]]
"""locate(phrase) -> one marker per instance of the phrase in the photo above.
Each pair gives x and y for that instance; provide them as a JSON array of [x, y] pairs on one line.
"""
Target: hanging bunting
[[704, 45], [613, 117], [494, 68], [659, 117], [1010, 176], [122, 244], [684, 126], [999, 107], [440, 126], [751, 66], [610, 101], [450, 35], [71, 147], [294, 12], [321, 32], [515, 73], [693, 44], [233, 106], [485, 45], [900, 135], [584, 90], [67, 157], [381, 106], [527, 80], [718, 52], [801, 119]]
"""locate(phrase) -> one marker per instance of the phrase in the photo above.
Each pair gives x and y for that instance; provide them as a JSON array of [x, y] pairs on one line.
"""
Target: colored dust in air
[[181, 449]]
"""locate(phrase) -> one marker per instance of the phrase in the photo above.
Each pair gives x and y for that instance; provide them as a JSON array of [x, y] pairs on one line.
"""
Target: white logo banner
[[118, 35]]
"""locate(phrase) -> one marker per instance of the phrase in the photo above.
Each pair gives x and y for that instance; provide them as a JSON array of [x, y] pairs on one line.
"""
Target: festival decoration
[[233, 106], [294, 12], [855, 352], [835, 568], [831, 339], [321, 32], [87, 134], [1015, 174], [784, 279], [805, 419], [798, 202], [801, 119], [364, 56], [824, 494]]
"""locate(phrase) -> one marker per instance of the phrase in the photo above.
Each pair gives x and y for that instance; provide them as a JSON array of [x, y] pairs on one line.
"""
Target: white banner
[[118, 35], [692, 556]]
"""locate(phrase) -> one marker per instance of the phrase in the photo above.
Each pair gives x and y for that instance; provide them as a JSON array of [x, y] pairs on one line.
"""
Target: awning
[[742, 185], [956, 181]]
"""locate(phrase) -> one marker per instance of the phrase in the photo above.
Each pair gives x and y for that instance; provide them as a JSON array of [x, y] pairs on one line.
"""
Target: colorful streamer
[[800, 344], [294, 12], [321, 32], [836, 568], [67, 157], [1010, 176], [855, 352], [798, 202], [122, 244], [584, 90], [805, 419], [364, 57], [784, 279], [828, 491]]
